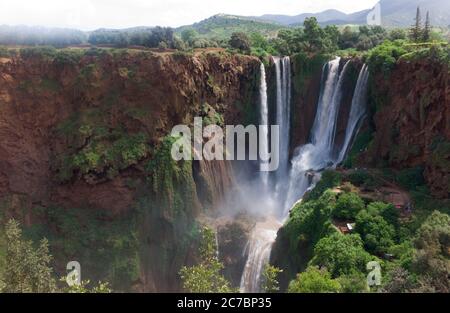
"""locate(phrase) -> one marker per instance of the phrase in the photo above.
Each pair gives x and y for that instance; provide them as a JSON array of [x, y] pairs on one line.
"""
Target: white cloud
[[91, 14]]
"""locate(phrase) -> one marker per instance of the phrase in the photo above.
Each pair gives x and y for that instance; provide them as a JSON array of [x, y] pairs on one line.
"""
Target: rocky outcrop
[[411, 117]]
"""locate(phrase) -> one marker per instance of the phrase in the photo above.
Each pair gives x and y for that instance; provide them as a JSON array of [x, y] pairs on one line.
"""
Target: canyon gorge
[[85, 152]]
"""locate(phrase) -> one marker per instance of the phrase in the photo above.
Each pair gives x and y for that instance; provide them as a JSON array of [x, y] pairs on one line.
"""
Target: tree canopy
[[314, 280], [205, 277]]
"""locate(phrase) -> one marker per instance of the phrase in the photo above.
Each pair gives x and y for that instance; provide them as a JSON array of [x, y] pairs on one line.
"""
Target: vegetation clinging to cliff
[[206, 277], [379, 235]]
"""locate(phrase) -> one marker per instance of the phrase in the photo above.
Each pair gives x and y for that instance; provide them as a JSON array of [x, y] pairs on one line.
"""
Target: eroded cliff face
[[411, 118], [80, 133], [307, 76]]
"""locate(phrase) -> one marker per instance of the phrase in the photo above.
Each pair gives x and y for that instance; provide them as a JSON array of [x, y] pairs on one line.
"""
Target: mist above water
[[270, 197]]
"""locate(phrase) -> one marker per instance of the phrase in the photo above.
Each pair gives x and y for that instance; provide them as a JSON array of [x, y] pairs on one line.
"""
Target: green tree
[[270, 282], [386, 210], [314, 280], [206, 277], [353, 283], [314, 36], [259, 41], [415, 33], [27, 269], [432, 257], [332, 34], [189, 36], [427, 28], [348, 38], [397, 34], [348, 205], [376, 232], [240, 41], [341, 254]]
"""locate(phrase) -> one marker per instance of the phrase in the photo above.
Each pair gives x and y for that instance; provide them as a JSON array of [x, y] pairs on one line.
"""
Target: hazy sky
[[91, 14]]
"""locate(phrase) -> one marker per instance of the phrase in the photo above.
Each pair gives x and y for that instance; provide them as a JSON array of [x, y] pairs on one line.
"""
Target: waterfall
[[308, 160], [264, 122], [324, 127], [357, 111], [264, 233], [283, 83], [318, 154], [259, 247]]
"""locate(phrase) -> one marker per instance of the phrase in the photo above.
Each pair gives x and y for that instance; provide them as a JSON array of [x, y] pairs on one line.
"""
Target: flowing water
[[264, 122], [357, 111], [283, 83], [264, 233], [308, 161], [318, 155]]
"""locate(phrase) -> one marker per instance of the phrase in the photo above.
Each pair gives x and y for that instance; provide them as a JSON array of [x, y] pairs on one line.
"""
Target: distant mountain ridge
[[400, 13]]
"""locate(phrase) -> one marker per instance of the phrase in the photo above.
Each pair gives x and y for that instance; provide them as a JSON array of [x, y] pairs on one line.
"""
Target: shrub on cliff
[[206, 277], [384, 57], [377, 234], [341, 254], [270, 282], [172, 180], [309, 221], [432, 259], [329, 179], [27, 269], [348, 205], [314, 280]]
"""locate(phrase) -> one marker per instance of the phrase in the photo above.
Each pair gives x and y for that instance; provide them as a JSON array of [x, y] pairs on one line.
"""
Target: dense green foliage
[[314, 280], [377, 233], [162, 37], [270, 282], [220, 27], [240, 41], [413, 253], [171, 180], [432, 258], [348, 206], [341, 254], [206, 277], [101, 151], [329, 179], [383, 58], [107, 248], [27, 269]]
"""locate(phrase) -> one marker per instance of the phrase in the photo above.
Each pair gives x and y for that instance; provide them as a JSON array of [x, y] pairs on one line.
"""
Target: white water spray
[[317, 155], [357, 112], [309, 160], [264, 121], [264, 233], [283, 83]]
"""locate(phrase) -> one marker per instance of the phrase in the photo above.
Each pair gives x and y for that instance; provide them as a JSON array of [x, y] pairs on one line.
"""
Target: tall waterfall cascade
[[293, 179], [283, 112], [357, 112], [264, 234], [264, 122]]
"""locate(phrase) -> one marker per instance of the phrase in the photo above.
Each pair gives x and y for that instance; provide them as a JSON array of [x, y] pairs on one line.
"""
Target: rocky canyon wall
[[85, 158]]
